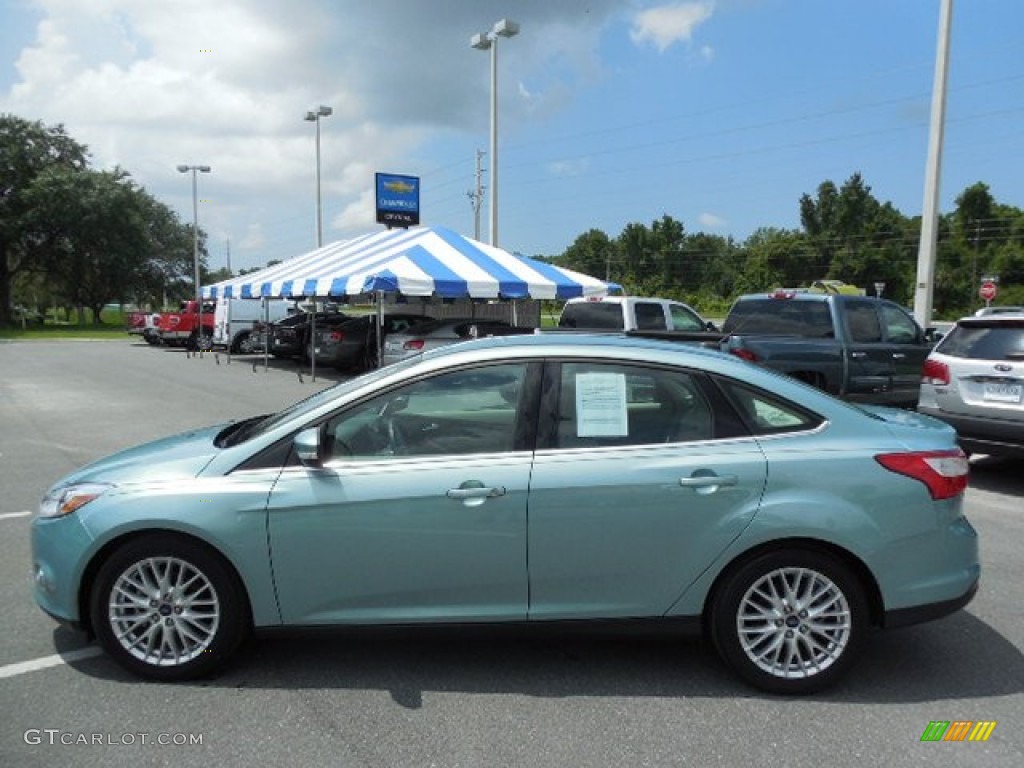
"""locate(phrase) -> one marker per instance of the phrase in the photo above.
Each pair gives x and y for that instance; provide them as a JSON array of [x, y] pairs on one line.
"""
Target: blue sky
[[719, 113]]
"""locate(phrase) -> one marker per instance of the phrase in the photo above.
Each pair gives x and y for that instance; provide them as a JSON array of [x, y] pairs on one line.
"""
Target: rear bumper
[[981, 435], [918, 614]]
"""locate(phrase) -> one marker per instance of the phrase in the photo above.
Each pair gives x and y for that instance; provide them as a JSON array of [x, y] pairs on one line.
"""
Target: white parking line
[[22, 667], [12, 515]]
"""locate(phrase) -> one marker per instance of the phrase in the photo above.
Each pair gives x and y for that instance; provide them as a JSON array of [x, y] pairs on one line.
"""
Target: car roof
[[602, 343]]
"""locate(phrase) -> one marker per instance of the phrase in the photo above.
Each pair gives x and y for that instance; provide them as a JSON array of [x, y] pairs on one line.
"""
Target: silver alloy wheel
[[794, 623], [164, 611]]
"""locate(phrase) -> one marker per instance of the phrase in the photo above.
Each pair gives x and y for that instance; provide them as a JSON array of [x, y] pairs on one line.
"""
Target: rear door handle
[[858, 355]]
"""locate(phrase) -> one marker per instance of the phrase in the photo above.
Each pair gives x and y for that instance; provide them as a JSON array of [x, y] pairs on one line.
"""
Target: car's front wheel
[[790, 621], [168, 608]]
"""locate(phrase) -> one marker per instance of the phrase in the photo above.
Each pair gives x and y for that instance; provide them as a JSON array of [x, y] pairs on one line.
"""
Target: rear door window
[[650, 316]]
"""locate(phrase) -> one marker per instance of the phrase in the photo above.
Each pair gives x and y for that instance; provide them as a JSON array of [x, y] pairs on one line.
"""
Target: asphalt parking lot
[[486, 697]]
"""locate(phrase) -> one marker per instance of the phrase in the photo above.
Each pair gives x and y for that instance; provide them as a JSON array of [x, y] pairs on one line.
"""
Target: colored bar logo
[[958, 730]]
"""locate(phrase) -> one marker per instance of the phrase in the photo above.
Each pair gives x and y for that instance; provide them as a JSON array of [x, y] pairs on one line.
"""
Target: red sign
[[988, 291]]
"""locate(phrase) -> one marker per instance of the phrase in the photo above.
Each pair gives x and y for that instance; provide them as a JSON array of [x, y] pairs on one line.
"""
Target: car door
[[908, 349], [641, 481], [418, 512], [868, 354]]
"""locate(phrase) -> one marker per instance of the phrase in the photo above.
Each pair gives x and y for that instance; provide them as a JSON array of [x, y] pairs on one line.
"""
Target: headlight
[[64, 501]]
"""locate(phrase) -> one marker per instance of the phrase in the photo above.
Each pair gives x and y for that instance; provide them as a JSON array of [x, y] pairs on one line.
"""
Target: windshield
[[260, 425]]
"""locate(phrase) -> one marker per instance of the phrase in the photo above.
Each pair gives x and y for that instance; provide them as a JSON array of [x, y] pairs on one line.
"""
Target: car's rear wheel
[[168, 608], [790, 621]]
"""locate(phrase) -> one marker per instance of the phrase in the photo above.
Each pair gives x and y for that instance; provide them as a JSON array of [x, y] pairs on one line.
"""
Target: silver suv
[[974, 381]]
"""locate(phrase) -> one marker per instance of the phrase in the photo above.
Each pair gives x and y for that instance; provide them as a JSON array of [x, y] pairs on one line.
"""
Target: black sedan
[[351, 344], [290, 337]]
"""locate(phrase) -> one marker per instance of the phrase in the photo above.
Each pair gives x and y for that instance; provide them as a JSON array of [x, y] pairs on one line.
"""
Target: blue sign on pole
[[398, 200]]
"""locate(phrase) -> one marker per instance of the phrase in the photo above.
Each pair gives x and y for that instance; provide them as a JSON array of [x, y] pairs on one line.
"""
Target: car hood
[[176, 457]]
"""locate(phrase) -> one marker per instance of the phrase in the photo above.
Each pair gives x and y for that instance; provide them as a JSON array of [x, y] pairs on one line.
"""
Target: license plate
[[1002, 393], [316, 351]]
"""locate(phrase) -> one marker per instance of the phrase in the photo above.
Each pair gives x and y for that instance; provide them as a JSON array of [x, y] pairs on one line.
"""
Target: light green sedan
[[539, 478]]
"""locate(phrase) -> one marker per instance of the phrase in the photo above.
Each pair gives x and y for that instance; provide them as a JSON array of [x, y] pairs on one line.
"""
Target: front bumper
[[60, 546]]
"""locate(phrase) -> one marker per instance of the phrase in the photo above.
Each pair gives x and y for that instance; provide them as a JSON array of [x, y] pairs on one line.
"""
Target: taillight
[[943, 472], [337, 336], [935, 372], [413, 345], [745, 354]]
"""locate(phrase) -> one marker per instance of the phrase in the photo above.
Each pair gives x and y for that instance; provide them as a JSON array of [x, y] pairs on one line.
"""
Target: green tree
[[27, 149], [106, 238], [778, 258], [592, 253]]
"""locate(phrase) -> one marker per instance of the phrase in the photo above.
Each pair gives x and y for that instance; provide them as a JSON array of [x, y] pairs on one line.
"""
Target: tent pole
[[312, 342], [266, 336], [380, 327]]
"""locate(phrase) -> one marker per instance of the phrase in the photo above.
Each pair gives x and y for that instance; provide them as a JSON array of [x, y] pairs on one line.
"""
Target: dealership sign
[[398, 200]]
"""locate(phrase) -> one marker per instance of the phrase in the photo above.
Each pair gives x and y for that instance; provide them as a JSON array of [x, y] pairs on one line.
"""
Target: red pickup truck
[[181, 328]]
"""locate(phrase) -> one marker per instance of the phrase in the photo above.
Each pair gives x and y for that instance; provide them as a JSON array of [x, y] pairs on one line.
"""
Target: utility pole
[[227, 245], [926, 255], [476, 195]]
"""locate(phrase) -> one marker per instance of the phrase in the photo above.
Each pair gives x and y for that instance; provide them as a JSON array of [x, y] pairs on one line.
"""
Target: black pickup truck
[[860, 348]]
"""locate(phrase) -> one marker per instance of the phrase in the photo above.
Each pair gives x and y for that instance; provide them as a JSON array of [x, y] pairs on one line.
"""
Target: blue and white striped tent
[[423, 261]]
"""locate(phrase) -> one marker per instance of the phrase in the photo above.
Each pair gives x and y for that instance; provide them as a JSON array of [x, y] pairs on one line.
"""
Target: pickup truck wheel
[[167, 608], [790, 621]]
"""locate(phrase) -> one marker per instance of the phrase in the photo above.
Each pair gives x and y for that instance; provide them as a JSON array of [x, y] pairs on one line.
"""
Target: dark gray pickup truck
[[860, 348]]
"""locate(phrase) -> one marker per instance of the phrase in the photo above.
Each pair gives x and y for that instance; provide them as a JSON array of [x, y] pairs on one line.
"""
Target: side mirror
[[307, 447]]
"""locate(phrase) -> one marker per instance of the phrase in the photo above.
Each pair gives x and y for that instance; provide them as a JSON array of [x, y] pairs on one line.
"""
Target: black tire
[[797, 641], [242, 345], [172, 636]]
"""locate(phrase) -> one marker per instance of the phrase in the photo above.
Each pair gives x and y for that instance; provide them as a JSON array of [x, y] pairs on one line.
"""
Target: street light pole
[[314, 117], [483, 42], [195, 244]]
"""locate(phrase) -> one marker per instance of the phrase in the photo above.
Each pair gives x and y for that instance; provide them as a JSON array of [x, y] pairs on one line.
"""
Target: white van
[[233, 320], [631, 313]]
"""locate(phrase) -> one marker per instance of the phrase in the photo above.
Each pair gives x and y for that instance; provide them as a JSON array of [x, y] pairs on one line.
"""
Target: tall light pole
[[195, 243], [928, 248], [314, 117], [483, 42]]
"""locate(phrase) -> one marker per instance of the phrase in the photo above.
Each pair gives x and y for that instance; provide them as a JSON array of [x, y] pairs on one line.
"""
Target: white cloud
[[148, 85], [569, 168], [711, 221], [669, 24]]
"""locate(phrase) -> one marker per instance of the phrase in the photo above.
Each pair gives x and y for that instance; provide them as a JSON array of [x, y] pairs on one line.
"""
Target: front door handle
[[707, 484], [858, 355], [473, 493]]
